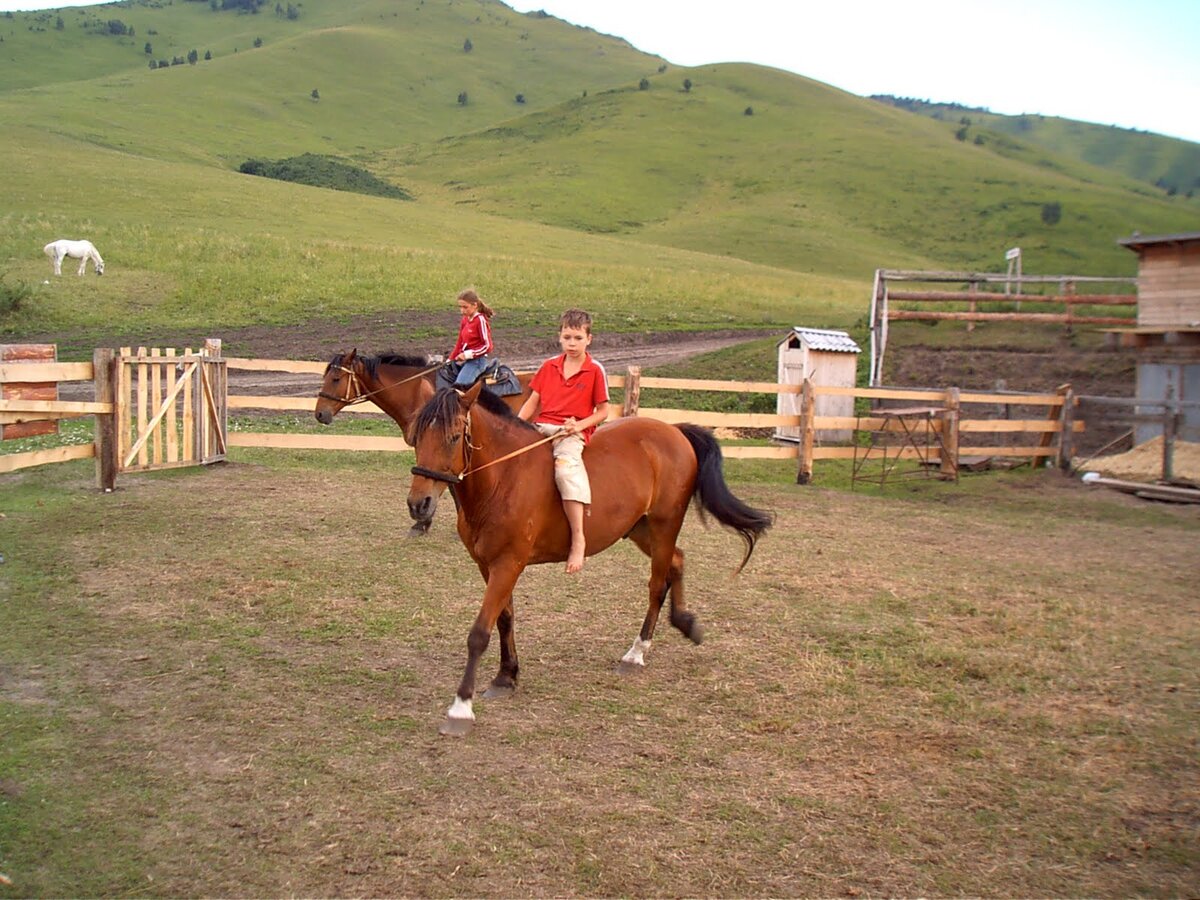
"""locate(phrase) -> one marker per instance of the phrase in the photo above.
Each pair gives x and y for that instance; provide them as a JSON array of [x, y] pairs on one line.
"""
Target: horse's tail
[[714, 494]]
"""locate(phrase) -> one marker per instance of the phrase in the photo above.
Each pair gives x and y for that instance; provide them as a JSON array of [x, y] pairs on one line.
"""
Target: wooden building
[[827, 358], [1167, 336]]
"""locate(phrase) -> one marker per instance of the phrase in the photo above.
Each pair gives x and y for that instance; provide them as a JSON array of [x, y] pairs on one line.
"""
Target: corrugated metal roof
[[826, 339]]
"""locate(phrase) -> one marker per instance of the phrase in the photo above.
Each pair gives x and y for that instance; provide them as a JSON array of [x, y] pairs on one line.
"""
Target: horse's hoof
[[499, 691], [456, 727], [696, 634], [628, 668]]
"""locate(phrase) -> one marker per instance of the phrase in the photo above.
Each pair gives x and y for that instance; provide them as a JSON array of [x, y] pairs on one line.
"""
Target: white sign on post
[[1014, 253]]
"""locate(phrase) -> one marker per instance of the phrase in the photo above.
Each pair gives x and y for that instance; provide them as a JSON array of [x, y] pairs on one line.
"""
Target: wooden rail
[[956, 431]]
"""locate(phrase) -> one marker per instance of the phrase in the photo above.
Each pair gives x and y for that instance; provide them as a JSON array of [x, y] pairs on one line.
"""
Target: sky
[[1113, 62]]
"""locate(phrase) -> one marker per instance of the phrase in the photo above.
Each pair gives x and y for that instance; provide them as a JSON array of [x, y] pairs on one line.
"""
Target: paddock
[[228, 680]]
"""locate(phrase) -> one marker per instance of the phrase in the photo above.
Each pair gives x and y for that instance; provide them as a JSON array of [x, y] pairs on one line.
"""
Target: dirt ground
[[228, 683]]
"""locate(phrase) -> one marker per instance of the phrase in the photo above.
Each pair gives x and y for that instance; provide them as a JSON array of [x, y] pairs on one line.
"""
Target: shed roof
[[1137, 241], [825, 339]]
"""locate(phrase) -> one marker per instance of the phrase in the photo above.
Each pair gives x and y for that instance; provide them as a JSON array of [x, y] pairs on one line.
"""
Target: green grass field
[[659, 208]]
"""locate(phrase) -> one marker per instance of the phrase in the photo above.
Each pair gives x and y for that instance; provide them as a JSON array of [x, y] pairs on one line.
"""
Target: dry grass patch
[[989, 690]]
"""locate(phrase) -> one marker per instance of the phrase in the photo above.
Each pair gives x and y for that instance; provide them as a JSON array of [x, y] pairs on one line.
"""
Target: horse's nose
[[323, 416], [421, 510]]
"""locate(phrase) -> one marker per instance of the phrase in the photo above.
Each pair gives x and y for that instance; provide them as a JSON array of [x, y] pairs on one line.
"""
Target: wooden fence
[[156, 409]]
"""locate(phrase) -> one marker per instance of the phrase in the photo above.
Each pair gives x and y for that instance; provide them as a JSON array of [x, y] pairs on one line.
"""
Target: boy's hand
[[570, 426]]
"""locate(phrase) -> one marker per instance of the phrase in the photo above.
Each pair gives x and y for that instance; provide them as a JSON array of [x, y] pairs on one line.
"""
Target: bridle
[[354, 392], [451, 478]]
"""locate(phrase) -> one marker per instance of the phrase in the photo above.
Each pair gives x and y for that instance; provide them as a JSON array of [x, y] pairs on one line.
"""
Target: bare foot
[[575, 559]]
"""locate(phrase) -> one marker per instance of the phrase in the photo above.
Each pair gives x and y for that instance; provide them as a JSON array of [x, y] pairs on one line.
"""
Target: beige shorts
[[569, 472]]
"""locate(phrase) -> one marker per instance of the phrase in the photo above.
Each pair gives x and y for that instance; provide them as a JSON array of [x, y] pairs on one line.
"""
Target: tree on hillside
[[687, 85], [1051, 213], [208, 54], [468, 46], [316, 95], [749, 111], [462, 98], [193, 56], [292, 12], [149, 49], [520, 98], [258, 42], [961, 134], [59, 24], [644, 84]]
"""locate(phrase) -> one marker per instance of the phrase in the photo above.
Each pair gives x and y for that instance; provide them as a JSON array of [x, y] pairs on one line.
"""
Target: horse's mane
[[372, 363], [443, 408]]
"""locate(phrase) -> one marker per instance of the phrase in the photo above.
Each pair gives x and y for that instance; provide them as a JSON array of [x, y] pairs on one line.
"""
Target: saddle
[[498, 379]]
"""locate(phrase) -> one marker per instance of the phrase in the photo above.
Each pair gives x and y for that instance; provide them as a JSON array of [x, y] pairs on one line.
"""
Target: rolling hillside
[[758, 196], [1168, 163]]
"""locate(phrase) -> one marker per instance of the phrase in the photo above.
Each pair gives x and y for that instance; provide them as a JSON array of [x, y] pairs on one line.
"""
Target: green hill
[[1171, 164], [547, 163]]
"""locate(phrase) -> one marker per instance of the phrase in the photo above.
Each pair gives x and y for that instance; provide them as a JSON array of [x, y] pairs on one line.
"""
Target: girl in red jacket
[[472, 353]]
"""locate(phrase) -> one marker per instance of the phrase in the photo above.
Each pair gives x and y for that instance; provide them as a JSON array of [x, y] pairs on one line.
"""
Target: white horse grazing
[[80, 250]]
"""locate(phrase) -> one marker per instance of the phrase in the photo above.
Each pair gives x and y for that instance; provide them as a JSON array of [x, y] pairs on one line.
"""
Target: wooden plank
[[993, 426], [315, 441], [878, 393], [124, 402], [1010, 399], [700, 384], [172, 405], [988, 296], [294, 366], [726, 420], [51, 407], [11, 462], [740, 452], [38, 371], [143, 388], [932, 316], [156, 374], [1007, 451], [189, 418], [305, 404], [893, 453]]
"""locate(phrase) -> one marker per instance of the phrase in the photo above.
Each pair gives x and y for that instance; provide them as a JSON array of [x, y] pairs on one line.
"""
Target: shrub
[[149, 50], [462, 98], [316, 95], [749, 111], [12, 296], [326, 172], [468, 46], [961, 134], [687, 85], [644, 84], [520, 98], [193, 57], [1051, 213]]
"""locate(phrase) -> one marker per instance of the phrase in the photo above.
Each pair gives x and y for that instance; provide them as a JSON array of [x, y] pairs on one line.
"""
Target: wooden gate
[[170, 407]]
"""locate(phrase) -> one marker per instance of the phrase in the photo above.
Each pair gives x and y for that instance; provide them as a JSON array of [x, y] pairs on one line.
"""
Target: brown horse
[[644, 473], [398, 385]]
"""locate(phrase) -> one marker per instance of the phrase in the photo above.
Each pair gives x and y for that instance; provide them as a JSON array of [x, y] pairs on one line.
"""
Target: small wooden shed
[[1167, 337], [827, 358]]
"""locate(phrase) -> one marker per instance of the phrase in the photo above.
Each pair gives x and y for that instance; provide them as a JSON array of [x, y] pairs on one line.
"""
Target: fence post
[[1066, 437], [106, 423], [633, 391], [949, 461], [805, 474], [1170, 422]]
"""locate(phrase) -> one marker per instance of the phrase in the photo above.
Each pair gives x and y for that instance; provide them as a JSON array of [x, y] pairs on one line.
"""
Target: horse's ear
[[350, 357], [468, 398]]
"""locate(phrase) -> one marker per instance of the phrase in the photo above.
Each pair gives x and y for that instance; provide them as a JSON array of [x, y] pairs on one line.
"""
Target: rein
[[359, 395], [451, 478]]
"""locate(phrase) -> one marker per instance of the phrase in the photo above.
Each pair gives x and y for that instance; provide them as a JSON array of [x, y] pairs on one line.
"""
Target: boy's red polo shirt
[[565, 398]]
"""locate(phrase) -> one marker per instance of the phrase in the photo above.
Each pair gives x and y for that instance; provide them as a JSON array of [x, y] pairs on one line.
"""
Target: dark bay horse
[[644, 474], [398, 385]]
